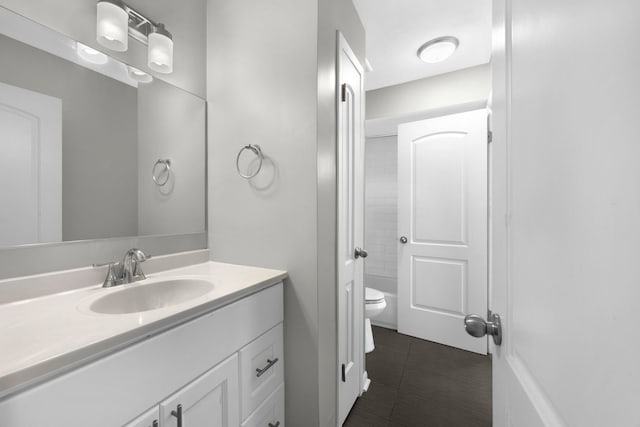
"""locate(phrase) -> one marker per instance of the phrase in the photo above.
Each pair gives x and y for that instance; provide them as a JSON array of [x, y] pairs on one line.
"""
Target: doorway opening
[[426, 214], [425, 368]]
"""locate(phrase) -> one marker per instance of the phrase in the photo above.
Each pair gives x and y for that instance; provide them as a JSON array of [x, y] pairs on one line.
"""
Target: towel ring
[[166, 170], [258, 152]]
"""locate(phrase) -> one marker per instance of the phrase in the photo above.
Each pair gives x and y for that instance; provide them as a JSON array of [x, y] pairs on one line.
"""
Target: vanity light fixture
[[116, 22], [437, 50]]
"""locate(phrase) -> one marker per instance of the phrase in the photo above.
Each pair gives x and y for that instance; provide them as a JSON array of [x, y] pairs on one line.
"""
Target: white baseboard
[[366, 382]]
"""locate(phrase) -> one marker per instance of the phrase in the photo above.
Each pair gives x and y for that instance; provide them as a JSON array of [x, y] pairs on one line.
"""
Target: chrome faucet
[[131, 271], [127, 271]]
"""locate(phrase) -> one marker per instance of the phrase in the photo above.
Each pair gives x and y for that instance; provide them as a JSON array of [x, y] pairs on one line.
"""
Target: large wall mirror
[[81, 137]]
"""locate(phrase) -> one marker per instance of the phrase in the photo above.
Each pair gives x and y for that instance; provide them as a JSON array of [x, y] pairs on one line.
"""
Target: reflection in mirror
[[80, 134]]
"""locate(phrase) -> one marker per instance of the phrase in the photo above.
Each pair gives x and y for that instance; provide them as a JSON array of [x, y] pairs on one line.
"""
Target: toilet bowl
[[374, 305]]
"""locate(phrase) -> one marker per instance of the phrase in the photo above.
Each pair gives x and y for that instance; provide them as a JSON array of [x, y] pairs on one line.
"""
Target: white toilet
[[374, 305]]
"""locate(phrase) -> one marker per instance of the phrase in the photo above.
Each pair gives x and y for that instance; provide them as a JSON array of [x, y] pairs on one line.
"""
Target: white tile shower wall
[[381, 213]]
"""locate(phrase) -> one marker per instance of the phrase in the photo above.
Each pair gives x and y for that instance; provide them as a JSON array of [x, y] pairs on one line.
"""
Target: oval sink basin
[[151, 296]]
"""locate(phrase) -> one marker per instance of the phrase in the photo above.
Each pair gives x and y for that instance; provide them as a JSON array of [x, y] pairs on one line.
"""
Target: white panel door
[[350, 229], [30, 167], [565, 269], [211, 400], [442, 214]]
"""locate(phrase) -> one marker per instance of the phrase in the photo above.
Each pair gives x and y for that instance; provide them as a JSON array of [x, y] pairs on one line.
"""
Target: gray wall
[[171, 125], [381, 213], [458, 87], [76, 18], [262, 89], [99, 160], [184, 19], [271, 82]]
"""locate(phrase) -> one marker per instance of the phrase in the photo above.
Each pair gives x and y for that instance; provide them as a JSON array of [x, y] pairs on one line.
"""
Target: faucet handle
[[101, 265], [113, 276]]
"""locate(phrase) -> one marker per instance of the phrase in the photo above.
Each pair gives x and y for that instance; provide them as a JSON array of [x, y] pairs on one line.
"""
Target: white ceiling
[[397, 28]]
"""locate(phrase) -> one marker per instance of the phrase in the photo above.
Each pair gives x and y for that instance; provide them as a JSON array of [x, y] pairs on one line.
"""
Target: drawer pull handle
[[178, 414], [277, 424], [270, 363]]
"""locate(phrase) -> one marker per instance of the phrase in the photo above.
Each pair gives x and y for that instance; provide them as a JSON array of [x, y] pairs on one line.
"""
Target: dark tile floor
[[417, 383]]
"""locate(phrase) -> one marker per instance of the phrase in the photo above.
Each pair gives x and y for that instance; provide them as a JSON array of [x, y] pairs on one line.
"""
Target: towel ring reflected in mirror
[[157, 172], [255, 148]]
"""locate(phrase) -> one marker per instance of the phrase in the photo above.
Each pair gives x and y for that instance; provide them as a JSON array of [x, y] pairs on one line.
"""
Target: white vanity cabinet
[[222, 368]]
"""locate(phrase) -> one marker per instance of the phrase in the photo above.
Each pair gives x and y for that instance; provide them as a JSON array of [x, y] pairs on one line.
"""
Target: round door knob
[[360, 253], [477, 327], [403, 240]]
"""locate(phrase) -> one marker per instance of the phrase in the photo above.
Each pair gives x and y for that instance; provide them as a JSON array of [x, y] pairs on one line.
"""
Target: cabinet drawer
[[270, 413], [261, 369], [151, 418]]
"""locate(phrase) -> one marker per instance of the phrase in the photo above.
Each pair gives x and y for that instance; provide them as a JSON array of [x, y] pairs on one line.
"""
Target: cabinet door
[[211, 400], [151, 418]]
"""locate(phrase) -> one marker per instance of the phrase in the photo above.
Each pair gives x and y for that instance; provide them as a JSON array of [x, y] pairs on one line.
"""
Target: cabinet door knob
[[155, 423], [274, 425], [403, 240], [178, 414]]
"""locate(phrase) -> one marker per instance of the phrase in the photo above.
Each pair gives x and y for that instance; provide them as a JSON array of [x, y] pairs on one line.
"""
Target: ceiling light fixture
[[437, 50], [116, 22]]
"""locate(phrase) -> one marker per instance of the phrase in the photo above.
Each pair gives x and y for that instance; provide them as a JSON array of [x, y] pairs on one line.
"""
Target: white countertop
[[45, 336]]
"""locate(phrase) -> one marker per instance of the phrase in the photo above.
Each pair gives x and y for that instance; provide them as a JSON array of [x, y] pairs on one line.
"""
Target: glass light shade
[[160, 52], [112, 27], [437, 50]]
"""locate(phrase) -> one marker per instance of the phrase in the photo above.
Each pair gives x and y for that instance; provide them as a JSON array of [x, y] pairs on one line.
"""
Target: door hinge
[[343, 92], [344, 373], [489, 136]]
